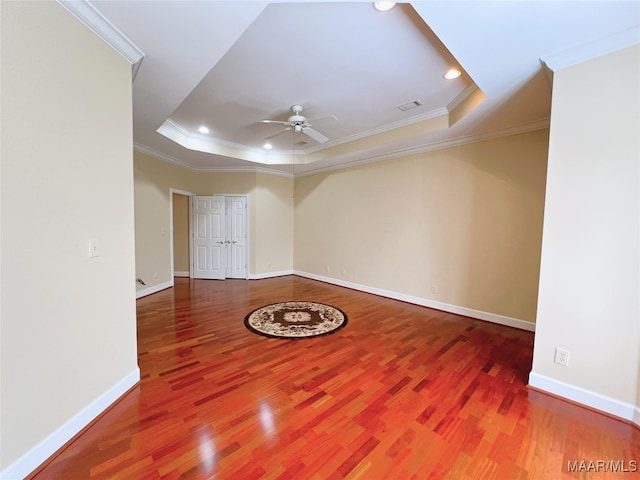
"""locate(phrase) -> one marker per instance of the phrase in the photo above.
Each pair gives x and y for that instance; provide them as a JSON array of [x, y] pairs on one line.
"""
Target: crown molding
[[205, 144], [588, 51], [170, 124], [103, 28], [138, 147], [191, 140], [174, 161], [265, 171], [439, 112], [441, 145], [428, 147], [461, 97]]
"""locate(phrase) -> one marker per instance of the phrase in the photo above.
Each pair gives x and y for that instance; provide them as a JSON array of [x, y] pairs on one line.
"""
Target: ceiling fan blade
[[279, 132], [317, 136], [326, 117], [274, 121]]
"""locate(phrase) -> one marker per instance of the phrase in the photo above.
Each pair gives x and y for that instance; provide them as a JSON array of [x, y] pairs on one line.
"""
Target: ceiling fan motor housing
[[296, 119]]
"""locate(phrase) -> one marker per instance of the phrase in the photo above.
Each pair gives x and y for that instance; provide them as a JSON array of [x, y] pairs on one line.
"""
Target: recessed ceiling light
[[383, 5], [203, 130], [452, 73], [268, 146]]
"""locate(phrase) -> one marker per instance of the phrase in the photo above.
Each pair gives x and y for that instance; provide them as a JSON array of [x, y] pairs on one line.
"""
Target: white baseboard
[[260, 276], [31, 460], [445, 307], [181, 274], [585, 397], [153, 289]]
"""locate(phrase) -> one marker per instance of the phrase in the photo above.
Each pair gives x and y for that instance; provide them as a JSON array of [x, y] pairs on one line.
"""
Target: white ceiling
[[230, 64]]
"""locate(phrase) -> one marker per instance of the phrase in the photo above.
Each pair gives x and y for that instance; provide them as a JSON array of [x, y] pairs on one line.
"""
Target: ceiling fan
[[299, 124]]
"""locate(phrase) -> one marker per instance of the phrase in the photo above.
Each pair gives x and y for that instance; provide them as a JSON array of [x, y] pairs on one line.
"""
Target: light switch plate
[[94, 248]]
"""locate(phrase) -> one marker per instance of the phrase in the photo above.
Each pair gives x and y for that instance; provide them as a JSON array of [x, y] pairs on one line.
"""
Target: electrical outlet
[[561, 357], [326, 269], [434, 288]]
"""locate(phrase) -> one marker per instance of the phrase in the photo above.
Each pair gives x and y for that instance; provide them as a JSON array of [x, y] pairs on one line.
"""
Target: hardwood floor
[[402, 392]]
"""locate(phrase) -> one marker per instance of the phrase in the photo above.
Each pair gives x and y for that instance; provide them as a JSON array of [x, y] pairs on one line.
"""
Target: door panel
[[236, 237], [209, 237]]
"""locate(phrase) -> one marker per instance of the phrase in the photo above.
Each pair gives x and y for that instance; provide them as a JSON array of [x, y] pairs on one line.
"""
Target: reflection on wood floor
[[402, 392]]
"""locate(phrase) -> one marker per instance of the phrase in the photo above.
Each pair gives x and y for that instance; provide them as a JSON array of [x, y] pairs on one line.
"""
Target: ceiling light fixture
[[268, 146], [203, 130], [452, 73], [384, 5]]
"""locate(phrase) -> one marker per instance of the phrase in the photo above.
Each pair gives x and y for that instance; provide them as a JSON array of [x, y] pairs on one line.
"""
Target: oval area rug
[[295, 320]]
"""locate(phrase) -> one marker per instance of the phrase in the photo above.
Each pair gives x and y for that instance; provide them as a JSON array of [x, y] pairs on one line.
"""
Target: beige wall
[[68, 321], [270, 215], [466, 219], [273, 224], [153, 181], [180, 233], [590, 273]]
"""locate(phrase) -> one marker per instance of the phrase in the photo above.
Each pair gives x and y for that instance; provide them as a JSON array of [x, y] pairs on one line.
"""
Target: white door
[[208, 230], [236, 237]]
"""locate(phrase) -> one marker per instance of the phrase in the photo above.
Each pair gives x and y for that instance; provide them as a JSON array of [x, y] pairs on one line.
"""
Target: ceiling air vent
[[409, 105]]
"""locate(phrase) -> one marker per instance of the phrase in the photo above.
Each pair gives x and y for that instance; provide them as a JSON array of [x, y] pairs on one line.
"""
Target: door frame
[[247, 224], [171, 233]]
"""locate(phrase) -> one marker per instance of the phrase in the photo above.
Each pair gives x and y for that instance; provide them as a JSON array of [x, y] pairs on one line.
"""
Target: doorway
[[218, 232], [179, 228], [180, 224]]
